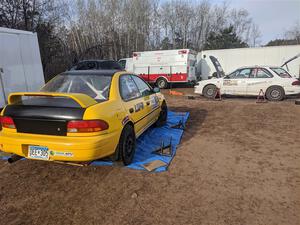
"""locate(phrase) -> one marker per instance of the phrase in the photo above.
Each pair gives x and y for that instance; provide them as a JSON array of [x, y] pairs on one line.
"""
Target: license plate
[[38, 152]]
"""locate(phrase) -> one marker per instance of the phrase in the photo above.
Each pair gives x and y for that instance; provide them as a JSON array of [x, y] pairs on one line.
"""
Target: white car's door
[[260, 79], [235, 83]]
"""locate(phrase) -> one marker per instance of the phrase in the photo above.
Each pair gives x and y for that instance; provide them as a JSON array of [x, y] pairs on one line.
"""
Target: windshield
[[95, 86], [281, 72]]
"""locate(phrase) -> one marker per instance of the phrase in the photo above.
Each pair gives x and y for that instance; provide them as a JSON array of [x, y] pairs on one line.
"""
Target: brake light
[[181, 52], [136, 54], [85, 126], [297, 82], [7, 122]]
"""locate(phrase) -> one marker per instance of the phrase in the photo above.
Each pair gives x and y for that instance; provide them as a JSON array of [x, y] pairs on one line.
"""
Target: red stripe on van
[[175, 77]]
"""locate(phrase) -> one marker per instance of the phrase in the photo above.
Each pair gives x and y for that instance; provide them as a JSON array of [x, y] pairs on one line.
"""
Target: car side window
[[122, 63], [142, 86], [128, 88], [261, 73], [110, 65], [240, 74], [87, 66]]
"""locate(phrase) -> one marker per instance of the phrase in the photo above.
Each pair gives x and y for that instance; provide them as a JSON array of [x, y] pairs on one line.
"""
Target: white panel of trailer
[[20, 63]]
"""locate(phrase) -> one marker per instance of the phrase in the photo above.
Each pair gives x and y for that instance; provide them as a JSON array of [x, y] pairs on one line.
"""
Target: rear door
[[260, 78], [134, 103]]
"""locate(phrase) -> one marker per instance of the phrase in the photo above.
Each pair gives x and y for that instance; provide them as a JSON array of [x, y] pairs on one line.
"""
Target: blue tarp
[[152, 140]]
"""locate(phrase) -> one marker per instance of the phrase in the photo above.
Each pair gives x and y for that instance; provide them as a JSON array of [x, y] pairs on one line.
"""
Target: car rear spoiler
[[83, 100]]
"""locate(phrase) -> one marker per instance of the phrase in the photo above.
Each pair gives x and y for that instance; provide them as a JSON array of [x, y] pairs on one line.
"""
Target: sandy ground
[[238, 163]]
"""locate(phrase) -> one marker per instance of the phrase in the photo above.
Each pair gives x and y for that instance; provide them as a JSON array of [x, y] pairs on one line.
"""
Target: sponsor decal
[[256, 83], [154, 101], [139, 106], [63, 154], [230, 82]]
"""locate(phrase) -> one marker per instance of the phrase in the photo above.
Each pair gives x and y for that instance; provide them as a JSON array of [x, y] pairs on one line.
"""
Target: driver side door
[[235, 83]]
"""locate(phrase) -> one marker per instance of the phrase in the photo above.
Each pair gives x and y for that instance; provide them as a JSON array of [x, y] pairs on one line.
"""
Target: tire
[[162, 83], [127, 142], [209, 91], [275, 93], [162, 119]]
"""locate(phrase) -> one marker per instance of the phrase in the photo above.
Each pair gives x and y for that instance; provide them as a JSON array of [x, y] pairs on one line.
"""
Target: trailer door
[[13, 77]]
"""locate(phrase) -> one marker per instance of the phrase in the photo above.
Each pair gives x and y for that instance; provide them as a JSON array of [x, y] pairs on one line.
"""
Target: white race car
[[275, 82]]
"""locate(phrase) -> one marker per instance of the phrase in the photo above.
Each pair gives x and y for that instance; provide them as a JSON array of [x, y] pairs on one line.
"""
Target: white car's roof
[[260, 66]]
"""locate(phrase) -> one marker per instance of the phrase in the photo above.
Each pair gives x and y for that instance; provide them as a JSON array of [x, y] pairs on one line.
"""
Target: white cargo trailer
[[164, 66], [20, 63], [231, 59]]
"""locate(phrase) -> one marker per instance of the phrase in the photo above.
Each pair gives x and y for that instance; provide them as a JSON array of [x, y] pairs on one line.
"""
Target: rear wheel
[[127, 145], [275, 93], [210, 91], [162, 119], [162, 83]]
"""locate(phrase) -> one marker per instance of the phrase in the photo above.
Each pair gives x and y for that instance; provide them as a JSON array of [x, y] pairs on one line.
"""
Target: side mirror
[[156, 90]]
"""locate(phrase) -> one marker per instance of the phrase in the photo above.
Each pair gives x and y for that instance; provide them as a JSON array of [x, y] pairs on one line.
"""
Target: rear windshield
[[281, 72], [95, 86]]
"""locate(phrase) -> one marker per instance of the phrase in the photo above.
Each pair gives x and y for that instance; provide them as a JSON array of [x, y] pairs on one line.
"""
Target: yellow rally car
[[81, 116]]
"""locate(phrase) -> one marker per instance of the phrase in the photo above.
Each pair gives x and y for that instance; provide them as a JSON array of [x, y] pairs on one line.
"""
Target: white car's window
[[240, 74], [95, 86], [281, 72], [128, 88], [142, 86], [260, 73]]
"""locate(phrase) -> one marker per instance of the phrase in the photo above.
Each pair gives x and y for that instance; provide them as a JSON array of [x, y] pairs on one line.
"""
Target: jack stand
[[164, 150], [261, 98], [218, 96]]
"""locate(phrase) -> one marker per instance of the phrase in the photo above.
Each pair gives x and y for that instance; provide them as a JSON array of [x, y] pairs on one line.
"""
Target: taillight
[[182, 52], [7, 122], [85, 126], [297, 82]]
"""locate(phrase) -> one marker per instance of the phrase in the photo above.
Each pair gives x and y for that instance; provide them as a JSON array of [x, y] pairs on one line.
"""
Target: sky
[[274, 17]]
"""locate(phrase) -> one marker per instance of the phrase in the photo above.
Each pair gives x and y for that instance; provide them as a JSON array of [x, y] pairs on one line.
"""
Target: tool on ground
[[154, 165], [164, 150], [180, 125], [261, 98]]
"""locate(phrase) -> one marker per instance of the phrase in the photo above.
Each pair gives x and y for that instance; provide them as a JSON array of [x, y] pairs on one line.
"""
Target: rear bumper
[[61, 148], [293, 90]]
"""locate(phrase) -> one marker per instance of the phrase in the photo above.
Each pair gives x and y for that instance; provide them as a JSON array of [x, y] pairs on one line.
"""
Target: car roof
[[97, 60], [91, 72], [260, 66]]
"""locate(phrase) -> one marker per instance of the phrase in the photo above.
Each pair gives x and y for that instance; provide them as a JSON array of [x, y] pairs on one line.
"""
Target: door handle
[[131, 110]]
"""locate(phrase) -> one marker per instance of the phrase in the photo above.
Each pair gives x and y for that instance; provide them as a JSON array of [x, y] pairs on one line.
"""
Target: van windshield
[[281, 72], [95, 86]]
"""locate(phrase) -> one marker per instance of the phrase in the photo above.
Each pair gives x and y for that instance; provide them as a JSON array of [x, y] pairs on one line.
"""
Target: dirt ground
[[238, 164]]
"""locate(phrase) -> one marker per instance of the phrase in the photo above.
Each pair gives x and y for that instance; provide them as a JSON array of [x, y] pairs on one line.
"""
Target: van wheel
[[127, 145], [209, 91], [275, 93], [162, 83], [162, 119]]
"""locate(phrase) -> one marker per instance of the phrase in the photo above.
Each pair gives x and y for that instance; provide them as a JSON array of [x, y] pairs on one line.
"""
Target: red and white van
[[164, 66]]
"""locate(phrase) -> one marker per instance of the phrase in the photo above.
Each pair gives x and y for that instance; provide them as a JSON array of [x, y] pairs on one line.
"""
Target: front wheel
[[210, 91], [162, 119], [127, 145], [162, 83], [275, 93]]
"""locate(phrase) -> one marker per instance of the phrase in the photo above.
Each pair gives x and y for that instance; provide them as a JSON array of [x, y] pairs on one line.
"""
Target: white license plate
[[38, 152]]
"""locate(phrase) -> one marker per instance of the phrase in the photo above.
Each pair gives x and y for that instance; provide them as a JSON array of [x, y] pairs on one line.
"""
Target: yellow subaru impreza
[[82, 116]]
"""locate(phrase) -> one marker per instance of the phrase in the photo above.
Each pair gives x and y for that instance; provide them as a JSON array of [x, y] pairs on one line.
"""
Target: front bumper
[[64, 148]]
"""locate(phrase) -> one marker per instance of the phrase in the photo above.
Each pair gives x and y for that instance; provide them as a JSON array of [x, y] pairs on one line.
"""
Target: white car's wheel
[[275, 93], [209, 91]]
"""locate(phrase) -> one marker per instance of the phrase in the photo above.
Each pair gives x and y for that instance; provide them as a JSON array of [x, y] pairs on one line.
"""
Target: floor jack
[[164, 150], [180, 125]]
